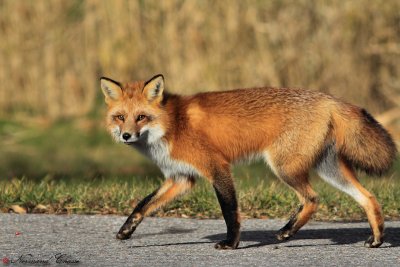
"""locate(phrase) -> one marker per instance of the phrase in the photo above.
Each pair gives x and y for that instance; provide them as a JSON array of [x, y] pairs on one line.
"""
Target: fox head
[[135, 113]]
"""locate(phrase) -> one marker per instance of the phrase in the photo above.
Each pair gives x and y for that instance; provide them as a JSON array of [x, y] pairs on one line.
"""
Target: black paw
[[284, 235], [372, 242], [227, 244], [125, 233]]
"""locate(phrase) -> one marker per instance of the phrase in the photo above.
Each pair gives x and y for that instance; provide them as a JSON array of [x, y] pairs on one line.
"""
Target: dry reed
[[53, 52]]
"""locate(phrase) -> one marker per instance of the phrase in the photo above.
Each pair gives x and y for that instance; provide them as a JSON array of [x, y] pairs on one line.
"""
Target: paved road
[[186, 242]]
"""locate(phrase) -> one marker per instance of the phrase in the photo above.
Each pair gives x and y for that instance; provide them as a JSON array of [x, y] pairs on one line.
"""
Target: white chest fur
[[159, 152]]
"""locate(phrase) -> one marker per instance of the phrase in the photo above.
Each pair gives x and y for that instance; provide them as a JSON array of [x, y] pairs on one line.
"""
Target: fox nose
[[126, 136]]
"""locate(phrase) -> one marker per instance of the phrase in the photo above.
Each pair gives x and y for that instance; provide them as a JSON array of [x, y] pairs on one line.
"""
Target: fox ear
[[153, 88], [112, 90]]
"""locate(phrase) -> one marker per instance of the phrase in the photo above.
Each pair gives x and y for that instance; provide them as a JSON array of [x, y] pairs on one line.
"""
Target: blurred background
[[52, 54]]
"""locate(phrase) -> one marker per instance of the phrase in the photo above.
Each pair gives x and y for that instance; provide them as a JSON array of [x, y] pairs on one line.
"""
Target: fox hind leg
[[297, 179], [341, 175], [309, 203]]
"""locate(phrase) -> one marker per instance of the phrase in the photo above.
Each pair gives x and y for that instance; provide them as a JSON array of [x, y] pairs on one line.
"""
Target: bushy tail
[[362, 141]]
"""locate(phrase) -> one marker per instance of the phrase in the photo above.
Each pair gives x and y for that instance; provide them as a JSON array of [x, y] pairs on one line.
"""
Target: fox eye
[[120, 117], [141, 117]]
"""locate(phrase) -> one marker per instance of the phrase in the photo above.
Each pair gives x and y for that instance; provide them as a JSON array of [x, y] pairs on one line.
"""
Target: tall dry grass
[[53, 52]]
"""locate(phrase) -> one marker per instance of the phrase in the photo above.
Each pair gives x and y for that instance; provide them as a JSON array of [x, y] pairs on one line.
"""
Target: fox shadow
[[261, 238], [335, 236]]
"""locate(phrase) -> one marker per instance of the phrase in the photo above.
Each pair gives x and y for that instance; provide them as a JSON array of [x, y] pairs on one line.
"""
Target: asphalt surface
[[90, 240]]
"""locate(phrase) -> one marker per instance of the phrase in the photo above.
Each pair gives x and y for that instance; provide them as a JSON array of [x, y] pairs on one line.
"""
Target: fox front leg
[[169, 190], [135, 218], [225, 190]]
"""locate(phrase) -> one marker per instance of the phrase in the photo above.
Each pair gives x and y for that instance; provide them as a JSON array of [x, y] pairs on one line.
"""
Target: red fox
[[293, 130]]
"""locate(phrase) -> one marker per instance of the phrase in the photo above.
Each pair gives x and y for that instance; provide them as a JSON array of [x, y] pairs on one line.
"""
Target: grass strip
[[258, 198]]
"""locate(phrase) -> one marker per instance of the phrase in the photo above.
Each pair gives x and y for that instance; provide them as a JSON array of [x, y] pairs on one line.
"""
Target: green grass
[[259, 198], [66, 149], [72, 166]]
